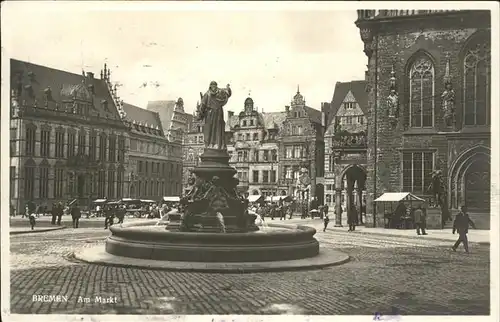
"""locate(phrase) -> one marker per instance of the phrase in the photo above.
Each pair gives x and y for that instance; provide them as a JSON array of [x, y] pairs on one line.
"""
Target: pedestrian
[[32, 220], [325, 209], [326, 221], [420, 220], [60, 212], [352, 217], [75, 215], [54, 213], [121, 214], [109, 213], [461, 225]]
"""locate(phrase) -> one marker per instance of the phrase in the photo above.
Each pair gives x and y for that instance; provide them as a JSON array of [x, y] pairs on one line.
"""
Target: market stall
[[397, 209]]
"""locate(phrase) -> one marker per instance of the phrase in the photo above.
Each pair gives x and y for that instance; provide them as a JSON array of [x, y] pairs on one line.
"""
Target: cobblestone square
[[416, 276]]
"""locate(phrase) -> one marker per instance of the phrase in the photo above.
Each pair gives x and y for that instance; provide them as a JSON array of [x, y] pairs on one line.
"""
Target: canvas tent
[[398, 196], [172, 199], [254, 198], [274, 198]]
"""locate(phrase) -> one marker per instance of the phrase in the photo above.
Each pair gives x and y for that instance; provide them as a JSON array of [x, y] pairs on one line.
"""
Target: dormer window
[[251, 122], [295, 114], [349, 105], [31, 76], [104, 105], [91, 89], [244, 123], [48, 94]]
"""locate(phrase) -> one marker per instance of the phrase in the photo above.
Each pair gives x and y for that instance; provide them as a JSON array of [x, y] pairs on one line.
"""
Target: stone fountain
[[216, 226]]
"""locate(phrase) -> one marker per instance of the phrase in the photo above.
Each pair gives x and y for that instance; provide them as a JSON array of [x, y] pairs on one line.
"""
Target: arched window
[[421, 81], [44, 180], [477, 81], [29, 180]]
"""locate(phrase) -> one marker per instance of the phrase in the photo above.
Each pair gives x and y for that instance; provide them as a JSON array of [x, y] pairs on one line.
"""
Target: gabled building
[[174, 120], [154, 170], [68, 136], [253, 138], [429, 89], [301, 146], [192, 148], [345, 147]]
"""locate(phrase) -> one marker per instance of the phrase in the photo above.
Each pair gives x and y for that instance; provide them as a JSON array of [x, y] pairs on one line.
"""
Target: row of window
[[349, 105], [297, 151], [153, 147], [154, 188], [67, 145], [76, 186], [158, 168], [351, 119], [475, 87], [258, 156], [268, 176]]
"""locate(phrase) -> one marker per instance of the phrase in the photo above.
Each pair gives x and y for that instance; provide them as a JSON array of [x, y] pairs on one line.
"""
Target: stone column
[[349, 195], [338, 200]]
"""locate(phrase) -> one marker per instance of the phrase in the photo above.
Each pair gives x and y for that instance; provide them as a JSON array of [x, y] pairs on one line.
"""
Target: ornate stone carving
[[393, 100], [448, 97], [367, 37]]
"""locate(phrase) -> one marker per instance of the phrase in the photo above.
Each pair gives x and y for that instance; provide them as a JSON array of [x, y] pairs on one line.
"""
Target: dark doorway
[[477, 186], [80, 185]]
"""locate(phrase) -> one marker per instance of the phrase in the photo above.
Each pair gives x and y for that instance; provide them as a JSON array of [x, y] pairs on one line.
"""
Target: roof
[[165, 110], [254, 198], [313, 114], [358, 89], [272, 119], [63, 86], [142, 116], [398, 196]]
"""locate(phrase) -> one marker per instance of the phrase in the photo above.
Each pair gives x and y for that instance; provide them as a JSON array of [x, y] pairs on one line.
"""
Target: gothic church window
[[421, 81], [477, 82]]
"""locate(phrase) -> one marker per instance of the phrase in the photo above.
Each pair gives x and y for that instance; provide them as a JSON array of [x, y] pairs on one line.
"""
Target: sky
[[164, 55]]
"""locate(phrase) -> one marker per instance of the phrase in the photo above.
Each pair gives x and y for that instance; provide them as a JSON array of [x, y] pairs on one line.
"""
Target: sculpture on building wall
[[437, 187], [393, 101], [448, 97], [303, 183], [210, 110]]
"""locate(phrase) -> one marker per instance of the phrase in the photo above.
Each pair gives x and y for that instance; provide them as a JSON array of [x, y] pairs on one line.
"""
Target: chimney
[[230, 114], [90, 75], [287, 108]]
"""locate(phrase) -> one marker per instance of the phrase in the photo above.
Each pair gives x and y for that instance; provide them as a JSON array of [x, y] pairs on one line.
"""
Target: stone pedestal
[[215, 192], [174, 221]]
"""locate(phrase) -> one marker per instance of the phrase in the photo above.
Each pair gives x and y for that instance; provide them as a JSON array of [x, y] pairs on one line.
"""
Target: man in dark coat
[[110, 214], [352, 217], [461, 225], [60, 213], [53, 212], [76, 214], [420, 220]]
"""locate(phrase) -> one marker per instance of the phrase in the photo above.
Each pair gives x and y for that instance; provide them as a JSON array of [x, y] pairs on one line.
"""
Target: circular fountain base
[[277, 243], [279, 247]]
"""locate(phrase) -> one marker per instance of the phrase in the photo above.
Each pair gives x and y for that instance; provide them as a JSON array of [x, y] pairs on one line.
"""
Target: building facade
[[192, 148], [429, 87], [345, 147], [68, 139], [174, 120], [253, 138], [301, 146], [154, 168]]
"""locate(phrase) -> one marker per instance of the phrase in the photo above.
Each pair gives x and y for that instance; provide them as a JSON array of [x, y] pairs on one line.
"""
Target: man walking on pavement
[[461, 225], [326, 221], [420, 220], [75, 215]]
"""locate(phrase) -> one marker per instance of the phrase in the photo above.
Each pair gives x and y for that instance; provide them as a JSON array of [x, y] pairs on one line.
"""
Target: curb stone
[[36, 231]]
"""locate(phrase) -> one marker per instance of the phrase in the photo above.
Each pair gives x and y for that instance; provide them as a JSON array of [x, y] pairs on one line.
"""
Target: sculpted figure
[[210, 110], [448, 104]]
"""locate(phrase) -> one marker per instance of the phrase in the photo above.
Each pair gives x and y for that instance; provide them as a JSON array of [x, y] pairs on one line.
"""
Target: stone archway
[[355, 176], [469, 184], [457, 175]]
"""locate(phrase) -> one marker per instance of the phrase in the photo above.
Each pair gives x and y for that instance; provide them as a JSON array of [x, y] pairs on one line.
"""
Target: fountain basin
[[148, 242]]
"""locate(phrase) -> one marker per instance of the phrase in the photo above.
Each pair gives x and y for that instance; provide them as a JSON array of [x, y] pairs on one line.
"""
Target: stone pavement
[[475, 236], [416, 276], [45, 221]]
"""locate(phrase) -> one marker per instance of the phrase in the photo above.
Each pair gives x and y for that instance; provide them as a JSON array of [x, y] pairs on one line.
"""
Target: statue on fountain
[[214, 197]]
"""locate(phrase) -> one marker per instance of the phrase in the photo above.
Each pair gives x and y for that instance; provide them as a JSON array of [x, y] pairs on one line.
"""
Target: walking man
[[461, 225], [420, 220], [326, 221], [75, 215]]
